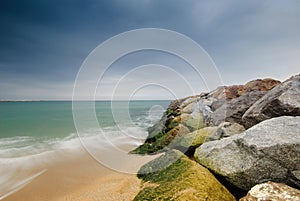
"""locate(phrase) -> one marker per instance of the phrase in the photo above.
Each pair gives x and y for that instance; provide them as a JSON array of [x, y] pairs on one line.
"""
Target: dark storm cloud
[[50, 39], [42, 36], [43, 43]]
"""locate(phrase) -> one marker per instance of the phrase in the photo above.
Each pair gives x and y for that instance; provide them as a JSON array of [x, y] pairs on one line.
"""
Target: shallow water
[[36, 134]]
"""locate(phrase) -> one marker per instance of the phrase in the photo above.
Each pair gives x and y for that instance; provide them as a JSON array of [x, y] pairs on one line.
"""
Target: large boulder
[[173, 176], [189, 142], [259, 85], [235, 91], [227, 129], [269, 151], [193, 121], [273, 192], [233, 101], [233, 110], [196, 111], [284, 99]]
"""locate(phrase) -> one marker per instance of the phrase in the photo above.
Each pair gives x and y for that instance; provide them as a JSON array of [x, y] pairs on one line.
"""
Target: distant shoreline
[[7, 101], [22, 100]]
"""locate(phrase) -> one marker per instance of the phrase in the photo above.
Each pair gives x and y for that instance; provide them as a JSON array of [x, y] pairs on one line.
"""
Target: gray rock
[[296, 173], [217, 104], [227, 129], [198, 114], [189, 142], [233, 110], [268, 151], [282, 100], [273, 192], [189, 108], [158, 127], [188, 101]]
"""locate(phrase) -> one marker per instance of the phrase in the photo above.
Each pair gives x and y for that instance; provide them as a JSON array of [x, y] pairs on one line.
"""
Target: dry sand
[[80, 179]]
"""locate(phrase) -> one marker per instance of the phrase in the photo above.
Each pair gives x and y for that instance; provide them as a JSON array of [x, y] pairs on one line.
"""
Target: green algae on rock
[[173, 124], [161, 141], [189, 142], [226, 103], [173, 176]]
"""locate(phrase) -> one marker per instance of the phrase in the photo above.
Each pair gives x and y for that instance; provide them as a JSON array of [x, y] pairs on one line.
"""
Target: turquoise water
[[35, 127], [38, 119]]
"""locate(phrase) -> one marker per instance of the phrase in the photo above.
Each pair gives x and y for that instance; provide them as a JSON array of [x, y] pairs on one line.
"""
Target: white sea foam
[[17, 163], [19, 148], [22, 154]]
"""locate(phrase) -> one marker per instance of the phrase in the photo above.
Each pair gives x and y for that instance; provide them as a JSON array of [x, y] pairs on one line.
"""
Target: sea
[[33, 132], [28, 128]]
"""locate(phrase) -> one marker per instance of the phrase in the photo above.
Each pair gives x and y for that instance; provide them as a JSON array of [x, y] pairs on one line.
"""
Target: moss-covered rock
[[161, 141], [193, 121], [189, 142], [162, 133], [173, 122], [143, 149], [173, 176], [192, 140], [178, 131], [226, 103]]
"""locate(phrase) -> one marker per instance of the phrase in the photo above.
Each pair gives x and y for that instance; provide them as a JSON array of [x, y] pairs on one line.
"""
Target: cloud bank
[[43, 43]]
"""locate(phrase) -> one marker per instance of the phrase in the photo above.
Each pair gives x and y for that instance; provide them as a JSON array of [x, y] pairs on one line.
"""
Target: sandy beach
[[78, 179]]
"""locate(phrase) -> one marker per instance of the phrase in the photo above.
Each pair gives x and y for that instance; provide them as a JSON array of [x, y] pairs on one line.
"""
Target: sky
[[43, 45]]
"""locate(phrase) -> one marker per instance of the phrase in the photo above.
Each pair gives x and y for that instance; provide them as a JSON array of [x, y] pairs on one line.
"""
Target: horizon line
[[44, 100]]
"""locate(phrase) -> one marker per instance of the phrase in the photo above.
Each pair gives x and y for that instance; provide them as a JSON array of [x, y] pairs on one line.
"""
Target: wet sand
[[78, 179]]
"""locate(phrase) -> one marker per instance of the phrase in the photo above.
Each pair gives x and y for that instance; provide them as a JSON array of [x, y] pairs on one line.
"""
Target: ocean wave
[[16, 163], [23, 158], [21, 146]]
